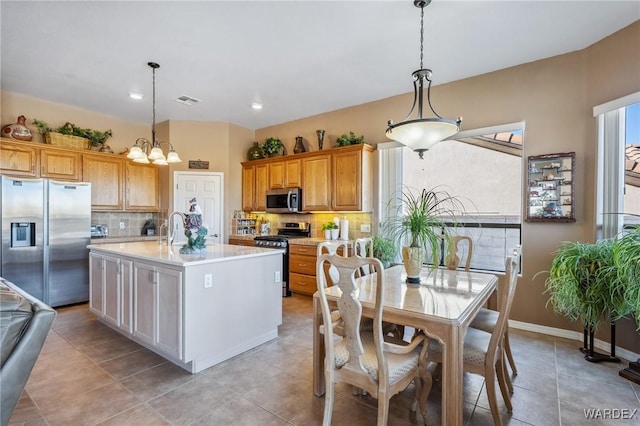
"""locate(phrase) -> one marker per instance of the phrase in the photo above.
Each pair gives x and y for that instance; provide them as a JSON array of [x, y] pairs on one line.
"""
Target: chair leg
[[328, 397], [425, 382], [507, 349], [507, 378], [383, 408], [490, 384], [503, 383]]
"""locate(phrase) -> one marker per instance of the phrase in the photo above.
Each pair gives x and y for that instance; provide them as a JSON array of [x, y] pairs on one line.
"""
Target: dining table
[[442, 305]]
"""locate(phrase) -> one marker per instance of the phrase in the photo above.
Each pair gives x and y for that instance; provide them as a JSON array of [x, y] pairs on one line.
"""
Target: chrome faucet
[[171, 227], [160, 232]]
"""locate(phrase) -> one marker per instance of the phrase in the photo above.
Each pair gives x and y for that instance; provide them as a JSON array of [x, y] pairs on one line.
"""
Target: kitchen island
[[194, 310]]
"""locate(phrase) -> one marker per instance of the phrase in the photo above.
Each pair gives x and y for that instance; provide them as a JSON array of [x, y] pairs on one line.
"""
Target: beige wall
[[554, 97]]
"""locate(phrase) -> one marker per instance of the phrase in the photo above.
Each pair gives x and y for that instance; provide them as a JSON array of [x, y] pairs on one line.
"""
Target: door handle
[[214, 235]]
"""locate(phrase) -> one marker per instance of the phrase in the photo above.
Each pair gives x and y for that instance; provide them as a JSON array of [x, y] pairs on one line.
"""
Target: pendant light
[[138, 153], [420, 134]]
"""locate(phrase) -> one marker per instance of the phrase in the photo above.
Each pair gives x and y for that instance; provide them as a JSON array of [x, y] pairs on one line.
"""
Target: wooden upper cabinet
[[284, 174], [106, 175], [292, 174], [352, 178], [248, 185], [316, 182], [276, 175], [18, 160], [66, 165], [261, 186], [142, 189]]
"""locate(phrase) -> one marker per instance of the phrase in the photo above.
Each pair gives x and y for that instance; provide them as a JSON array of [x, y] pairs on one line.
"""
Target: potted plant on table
[[422, 219]]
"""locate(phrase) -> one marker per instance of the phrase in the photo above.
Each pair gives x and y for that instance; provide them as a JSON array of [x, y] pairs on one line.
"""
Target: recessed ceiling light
[[136, 96], [256, 105]]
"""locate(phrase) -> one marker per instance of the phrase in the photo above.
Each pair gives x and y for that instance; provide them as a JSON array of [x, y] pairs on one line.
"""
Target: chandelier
[[420, 134], [139, 152]]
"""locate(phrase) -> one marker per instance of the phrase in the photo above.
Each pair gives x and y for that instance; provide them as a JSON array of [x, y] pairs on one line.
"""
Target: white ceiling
[[299, 58]]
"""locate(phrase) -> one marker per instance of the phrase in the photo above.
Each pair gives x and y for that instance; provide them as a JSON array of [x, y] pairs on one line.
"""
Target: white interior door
[[207, 189]]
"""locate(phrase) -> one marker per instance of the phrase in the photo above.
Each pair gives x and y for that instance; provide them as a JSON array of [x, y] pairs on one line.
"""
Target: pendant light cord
[[421, 34], [153, 123]]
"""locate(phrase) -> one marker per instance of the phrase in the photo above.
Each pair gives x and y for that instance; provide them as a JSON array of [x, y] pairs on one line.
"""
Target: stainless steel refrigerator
[[46, 228]]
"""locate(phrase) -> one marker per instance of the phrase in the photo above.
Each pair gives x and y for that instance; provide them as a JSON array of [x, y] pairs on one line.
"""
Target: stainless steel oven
[[281, 241]]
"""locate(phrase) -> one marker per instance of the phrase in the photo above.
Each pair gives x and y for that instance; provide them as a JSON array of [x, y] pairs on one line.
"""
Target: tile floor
[[89, 375]]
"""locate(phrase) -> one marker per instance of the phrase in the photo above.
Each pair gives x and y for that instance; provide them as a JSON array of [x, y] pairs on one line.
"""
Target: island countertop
[[151, 250]]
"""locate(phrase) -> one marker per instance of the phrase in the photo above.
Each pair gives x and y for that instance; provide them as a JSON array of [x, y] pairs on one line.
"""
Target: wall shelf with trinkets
[[550, 188]]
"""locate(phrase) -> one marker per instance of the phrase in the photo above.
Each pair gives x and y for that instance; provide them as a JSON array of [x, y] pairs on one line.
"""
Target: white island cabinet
[[195, 310]]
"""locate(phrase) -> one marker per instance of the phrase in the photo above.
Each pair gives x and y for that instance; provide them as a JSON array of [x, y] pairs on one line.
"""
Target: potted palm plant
[[423, 217]]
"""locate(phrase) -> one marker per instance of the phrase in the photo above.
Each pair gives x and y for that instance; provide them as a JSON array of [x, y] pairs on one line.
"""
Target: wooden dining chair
[[483, 352], [366, 359], [452, 244], [486, 320]]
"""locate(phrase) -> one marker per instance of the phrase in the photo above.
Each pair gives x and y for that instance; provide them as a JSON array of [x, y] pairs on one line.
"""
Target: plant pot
[[327, 234], [412, 258], [334, 234]]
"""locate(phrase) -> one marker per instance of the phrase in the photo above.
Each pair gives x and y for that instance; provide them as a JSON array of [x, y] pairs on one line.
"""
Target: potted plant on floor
[[423, 217], [384, 250]]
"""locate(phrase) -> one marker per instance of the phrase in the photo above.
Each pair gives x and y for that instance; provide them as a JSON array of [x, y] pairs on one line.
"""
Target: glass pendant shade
[[160, 161], [173, 157], [142, 160], [135, 152], [422, 134], [156, 153]]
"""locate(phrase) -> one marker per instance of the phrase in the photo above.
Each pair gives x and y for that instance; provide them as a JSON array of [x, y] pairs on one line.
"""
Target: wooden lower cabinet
[[241, 242], [302, 268]]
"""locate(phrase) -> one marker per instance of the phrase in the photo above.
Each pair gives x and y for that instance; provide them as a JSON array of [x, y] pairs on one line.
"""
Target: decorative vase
[[412, 258], [255, 152], [18, 131], [299, 147], [320, 133]]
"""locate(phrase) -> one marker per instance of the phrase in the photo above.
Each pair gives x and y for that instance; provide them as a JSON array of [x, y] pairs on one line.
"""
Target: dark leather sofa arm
[[19, 362]]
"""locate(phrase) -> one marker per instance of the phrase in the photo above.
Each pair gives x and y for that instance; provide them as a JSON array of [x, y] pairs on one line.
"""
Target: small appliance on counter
[[99, 231], [149, 228]]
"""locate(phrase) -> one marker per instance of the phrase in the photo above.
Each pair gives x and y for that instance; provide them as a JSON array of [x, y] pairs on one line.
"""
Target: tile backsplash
[[318, 219], [132, 222]]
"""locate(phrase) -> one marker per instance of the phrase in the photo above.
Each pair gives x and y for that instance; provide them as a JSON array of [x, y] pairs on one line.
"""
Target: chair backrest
[[363, 247], [332, 247], [512, 266], [451, 258], [350, 307]]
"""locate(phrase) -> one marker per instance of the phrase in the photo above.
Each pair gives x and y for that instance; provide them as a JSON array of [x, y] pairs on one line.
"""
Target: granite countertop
[[150, 250]]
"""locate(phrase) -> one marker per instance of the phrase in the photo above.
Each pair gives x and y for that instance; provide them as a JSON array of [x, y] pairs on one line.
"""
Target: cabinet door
[[18, 160], [106, 175], [347, 180], [292, 174], [111, 292], [96, 277], [168, 336], [126, 295], [60, 165], [248, 185], [262, 183], [316, 183], [144, 295], [142, 189], [276, 175]]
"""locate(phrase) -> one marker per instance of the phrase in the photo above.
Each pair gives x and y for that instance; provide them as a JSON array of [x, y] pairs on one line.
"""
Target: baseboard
[[573, 335]]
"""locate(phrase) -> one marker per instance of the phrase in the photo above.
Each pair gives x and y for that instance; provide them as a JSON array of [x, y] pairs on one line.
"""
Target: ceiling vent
[[187, 100]]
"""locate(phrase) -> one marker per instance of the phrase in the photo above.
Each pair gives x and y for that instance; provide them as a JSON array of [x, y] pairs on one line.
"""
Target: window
[[618, 184], [483, 168]]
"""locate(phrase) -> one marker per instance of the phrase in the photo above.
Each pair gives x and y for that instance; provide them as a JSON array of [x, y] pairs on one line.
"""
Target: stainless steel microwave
[[287, 200]]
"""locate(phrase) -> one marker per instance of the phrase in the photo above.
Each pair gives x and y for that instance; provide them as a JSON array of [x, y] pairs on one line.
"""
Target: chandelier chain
[[153, 129], [421, 34]]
